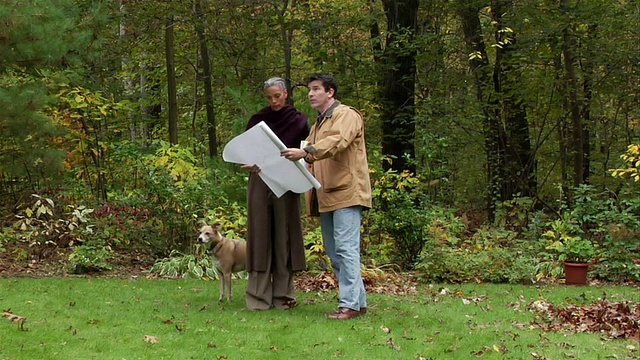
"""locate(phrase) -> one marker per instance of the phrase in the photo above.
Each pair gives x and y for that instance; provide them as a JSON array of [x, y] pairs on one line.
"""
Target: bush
[[198, 265], [176, 195], [404, 215], [314, 250], [466, 262], [90, 257], [612, 220], [609, 221]]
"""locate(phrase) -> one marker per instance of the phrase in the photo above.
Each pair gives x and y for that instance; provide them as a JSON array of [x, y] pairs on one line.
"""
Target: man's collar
[[329, 112]]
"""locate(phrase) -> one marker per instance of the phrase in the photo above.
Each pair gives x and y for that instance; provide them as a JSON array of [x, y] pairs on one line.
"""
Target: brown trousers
[[274, 287]]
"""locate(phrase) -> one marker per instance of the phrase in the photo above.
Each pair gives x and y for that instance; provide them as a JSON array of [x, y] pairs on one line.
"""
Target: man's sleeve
[[345, 127]]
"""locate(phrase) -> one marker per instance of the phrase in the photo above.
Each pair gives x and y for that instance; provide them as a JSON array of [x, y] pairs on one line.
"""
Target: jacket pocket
[[337, 176]]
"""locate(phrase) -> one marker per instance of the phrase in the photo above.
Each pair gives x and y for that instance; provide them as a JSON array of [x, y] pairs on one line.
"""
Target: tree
[[510, 160], [516, 159], [206, 75], [398, 83], [38, 43], [172, 96], [578, 109]]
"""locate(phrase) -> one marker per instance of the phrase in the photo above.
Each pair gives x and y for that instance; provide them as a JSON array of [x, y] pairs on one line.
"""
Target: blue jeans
[[341, 235]]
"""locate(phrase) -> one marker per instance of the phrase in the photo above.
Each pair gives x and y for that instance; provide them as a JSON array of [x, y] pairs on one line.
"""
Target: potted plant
[[577, 253], [572, 248]]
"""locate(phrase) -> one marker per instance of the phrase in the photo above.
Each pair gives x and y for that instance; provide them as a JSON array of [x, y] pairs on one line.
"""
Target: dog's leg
[[227, 280], [222, 281]]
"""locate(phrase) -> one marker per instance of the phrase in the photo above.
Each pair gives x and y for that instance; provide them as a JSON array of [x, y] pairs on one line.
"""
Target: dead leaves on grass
[[616, 320], [387, 283], [16, 319]]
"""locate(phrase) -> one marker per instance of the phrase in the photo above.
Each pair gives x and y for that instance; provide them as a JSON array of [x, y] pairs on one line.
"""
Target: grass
[[97, 318]]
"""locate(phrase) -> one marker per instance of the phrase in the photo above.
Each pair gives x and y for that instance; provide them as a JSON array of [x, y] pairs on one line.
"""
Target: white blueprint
[[261, 146]]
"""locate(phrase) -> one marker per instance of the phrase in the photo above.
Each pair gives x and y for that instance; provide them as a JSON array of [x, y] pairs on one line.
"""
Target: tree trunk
[[587, 88], [510, 160], [514, 140], [479, 63], [171, 81], [376, 40], [286, 32], [579, 140], [128, 82], [206, 76], [398, 87]]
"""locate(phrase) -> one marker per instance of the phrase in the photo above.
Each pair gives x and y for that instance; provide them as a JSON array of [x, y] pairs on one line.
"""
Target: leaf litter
[[382, 282], [615, 320]]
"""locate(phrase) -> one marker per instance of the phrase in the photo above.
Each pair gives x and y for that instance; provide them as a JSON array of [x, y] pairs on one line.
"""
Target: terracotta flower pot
[[575, 273]]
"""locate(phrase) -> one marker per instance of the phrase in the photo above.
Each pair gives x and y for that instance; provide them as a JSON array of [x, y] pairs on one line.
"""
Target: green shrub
[[89, 257], [232, 217], [404, 216], [400, 213], [619, 258], [175, 195], [314, 250], [494, 265], [601, 223], [178, 265]]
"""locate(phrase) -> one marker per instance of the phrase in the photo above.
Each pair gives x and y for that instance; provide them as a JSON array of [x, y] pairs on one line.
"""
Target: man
[[336, 150]]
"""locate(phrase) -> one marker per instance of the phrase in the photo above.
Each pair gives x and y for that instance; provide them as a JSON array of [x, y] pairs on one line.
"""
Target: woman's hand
[[253, 168]]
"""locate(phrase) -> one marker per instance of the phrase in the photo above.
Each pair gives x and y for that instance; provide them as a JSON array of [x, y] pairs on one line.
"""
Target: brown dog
[[231, 254]]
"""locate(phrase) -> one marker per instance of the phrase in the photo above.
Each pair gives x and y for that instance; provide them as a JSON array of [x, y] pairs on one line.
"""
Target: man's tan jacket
[[338, 158]]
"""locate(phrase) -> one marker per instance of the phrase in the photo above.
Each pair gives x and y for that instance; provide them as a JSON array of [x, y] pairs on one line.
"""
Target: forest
[[503, 136]]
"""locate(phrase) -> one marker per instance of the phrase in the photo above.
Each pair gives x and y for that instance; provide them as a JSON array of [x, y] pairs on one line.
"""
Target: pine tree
[[39, 39]]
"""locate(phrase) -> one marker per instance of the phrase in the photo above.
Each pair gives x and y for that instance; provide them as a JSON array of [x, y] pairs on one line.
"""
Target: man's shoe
[[363, 311], [344, 314]]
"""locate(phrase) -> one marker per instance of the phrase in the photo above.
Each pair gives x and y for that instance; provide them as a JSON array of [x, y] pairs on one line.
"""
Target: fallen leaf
[[151, 339], [393, 345], [478, 353], [538, 356], [452, 348], [16, 319], [385, 329]]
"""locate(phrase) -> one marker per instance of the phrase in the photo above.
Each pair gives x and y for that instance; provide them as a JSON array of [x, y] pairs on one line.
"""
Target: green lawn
[[97, 318]]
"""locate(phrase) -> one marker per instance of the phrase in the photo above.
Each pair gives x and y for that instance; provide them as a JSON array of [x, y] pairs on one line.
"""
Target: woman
[[275, 248]]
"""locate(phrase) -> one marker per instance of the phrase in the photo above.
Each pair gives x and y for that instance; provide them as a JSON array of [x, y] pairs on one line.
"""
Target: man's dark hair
[[328, 82]]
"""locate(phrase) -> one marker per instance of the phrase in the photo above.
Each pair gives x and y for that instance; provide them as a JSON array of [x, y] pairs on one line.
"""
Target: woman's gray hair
[[275, 81]]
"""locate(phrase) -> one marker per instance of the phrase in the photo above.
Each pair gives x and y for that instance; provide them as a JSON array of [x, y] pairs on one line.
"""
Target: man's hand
[[293, 154]]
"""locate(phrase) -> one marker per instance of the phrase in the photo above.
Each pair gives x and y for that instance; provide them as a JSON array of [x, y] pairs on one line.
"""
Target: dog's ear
[[204, 222], [215, 225]]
